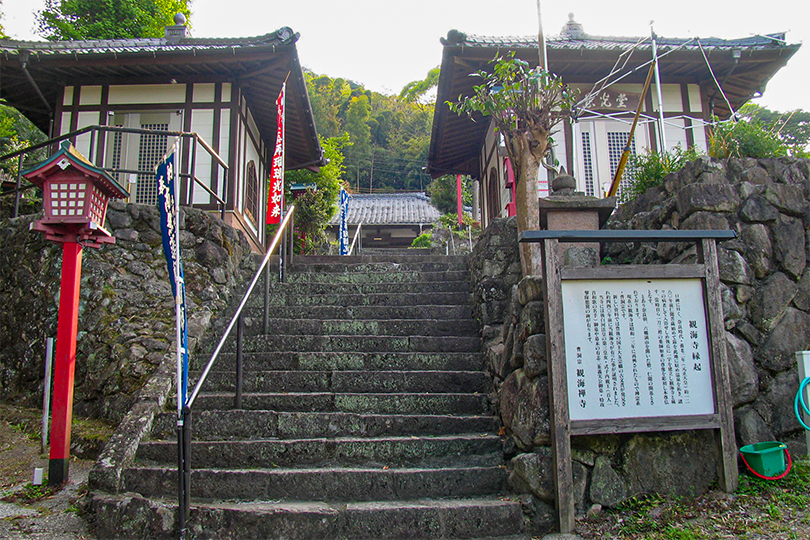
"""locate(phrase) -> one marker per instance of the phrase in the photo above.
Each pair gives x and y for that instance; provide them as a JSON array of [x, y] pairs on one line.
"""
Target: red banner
[[275, 188]]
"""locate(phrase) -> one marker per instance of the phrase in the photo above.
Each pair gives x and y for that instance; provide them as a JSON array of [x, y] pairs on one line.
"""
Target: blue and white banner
[[343, 233], [170, 230]]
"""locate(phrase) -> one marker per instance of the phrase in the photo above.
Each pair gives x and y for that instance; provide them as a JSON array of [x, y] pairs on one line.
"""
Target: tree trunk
[[528, 154], [528, 212]]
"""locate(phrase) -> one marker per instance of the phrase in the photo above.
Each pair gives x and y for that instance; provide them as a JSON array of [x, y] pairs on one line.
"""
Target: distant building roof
[[744, 65], [257, 65], [390, 209]]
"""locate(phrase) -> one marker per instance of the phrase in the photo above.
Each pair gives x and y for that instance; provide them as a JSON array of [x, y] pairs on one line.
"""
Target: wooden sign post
[[634, 349]]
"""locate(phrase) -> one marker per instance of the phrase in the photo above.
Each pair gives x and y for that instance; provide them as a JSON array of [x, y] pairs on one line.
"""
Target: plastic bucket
[[765, 458]]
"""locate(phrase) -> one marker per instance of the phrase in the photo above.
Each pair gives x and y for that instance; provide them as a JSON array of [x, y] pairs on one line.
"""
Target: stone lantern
[[75, 204]]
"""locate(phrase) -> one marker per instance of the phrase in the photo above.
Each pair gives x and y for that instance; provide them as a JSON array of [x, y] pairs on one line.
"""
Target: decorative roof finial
[[572, 29]]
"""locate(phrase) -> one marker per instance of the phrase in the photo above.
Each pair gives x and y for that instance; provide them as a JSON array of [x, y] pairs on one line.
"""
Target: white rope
[[644, 65], [715, 78]]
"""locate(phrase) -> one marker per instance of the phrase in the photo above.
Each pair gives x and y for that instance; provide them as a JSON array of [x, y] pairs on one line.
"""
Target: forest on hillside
[[388, 136]]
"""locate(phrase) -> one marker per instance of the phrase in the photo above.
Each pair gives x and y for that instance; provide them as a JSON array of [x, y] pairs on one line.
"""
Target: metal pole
[[187, 461], [92, 146], [662, 136], [191, 184], [181, 478], [240, 330], [17, 193], [266, 315], [541, 40], [46, 393]]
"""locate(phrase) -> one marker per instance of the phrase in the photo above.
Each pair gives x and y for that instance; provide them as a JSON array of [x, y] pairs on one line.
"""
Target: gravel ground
[[55, 517], [759, 510]]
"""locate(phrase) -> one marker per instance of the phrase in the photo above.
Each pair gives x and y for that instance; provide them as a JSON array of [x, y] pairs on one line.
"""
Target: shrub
[[649, 169], [450, 221], [423, 240], [745, 138]]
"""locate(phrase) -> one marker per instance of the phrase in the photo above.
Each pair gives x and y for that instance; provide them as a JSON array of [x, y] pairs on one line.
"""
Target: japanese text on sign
[[636, 348]]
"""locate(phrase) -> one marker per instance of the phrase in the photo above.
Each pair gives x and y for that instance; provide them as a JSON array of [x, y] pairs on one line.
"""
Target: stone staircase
[[365, 414]]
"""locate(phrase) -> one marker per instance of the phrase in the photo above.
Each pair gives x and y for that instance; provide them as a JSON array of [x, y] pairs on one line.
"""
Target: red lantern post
[[75, 205]]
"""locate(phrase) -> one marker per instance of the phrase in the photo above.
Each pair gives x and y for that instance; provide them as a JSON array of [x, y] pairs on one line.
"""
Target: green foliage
[[30, 494], [389, 135], [2, 32], [792, 127], [315, 208], [649, 169], [110, 19], [416, 90], [312, 213], [423, 240], [443, 193], [524, 103], [745, 138], [450, 221], [16, 133]]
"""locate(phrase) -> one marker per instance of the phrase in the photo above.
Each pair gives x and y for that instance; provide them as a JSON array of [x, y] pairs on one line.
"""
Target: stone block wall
[[766, 301], [126, 313]]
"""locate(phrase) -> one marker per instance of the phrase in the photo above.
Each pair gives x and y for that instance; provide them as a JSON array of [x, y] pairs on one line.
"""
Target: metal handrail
[[354, 240], [242, 304], [220, 201], [184, 416]]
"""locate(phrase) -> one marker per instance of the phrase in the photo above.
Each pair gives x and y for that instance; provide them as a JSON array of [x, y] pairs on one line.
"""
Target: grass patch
[[30, 494], [761, 509]]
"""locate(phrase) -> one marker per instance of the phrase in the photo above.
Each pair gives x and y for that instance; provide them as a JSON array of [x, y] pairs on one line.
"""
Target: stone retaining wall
[[766, 300], [126, 313]]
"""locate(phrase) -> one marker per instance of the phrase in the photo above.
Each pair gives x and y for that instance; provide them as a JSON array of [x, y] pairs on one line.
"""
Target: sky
[[384, 44]]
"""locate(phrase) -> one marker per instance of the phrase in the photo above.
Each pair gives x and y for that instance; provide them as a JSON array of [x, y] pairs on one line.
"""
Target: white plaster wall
[[67, 96], [204, 93], [202, 123], [670, 95], [695, 103], [90, 95], [147, 93], [83, 141]]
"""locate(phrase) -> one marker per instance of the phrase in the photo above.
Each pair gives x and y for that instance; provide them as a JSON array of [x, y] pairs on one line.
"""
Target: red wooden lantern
[[76, 195], [75, 204]]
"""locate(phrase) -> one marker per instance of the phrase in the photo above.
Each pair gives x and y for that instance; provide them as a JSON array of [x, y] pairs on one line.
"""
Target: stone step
[[443, 265], [427, 288], [380, 276], [357, 343], [469, 518], [321, 484], [405, 403], [347, 327], [321, 361], [266, 424], [466, 450], [256, 314], [309, 298], [348, 381], [410, 256]]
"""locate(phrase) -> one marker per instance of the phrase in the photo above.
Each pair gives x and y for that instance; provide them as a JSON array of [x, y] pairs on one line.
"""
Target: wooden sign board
[[634, 349]]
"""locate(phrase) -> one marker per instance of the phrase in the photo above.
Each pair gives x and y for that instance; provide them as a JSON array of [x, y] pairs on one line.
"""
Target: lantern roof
[[68, 156]]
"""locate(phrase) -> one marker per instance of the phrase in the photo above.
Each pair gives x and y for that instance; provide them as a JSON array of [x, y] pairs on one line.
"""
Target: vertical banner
[[275, 190], [343, 233], [458, 196], [166, 173]]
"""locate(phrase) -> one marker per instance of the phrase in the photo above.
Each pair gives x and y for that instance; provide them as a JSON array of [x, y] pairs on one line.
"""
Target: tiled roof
[[390, 209], [258, 66], [141, 45], [603, 43]]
